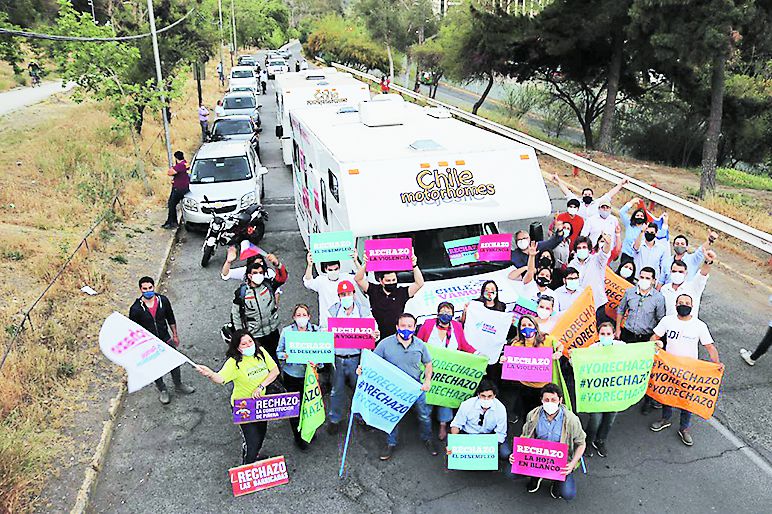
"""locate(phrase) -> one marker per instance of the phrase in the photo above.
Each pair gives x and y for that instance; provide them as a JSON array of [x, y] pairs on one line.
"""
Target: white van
[[313, 90], [399, 170], [245, 76]]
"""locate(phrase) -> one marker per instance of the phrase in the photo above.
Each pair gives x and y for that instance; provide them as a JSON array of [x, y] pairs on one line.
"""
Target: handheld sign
[[495, 247], [576, 327], [524, 307], [462, 251], [332, 246], [473, 451], [258, 476], [305, 347], [266, 408], [487, 329], [527, 364], [685, 383], [353, 332], [615, 291], [537, 458], [394, 254], [455, 376]]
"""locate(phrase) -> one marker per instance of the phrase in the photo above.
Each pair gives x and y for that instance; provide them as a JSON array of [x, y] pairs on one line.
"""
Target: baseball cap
[[345, 286], [604, 201]]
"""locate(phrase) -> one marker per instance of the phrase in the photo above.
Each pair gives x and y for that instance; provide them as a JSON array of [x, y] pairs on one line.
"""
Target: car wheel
[[259, 232]]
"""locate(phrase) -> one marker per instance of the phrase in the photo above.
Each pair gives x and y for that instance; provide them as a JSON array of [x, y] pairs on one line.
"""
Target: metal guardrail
[[753, 236]]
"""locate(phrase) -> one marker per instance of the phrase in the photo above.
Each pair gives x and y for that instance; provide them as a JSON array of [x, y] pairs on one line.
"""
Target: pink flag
[[389, 254], [495, 247], [527, 364], [353, 332], [537, 458]]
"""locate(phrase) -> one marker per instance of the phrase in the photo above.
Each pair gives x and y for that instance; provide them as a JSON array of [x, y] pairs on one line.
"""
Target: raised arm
[[531, 271], [418, 279], [617, 188], [309, 267], [360, 274], [562, 185]]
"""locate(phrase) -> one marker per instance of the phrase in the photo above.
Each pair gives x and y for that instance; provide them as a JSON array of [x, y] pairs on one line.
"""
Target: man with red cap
[[346, 359]]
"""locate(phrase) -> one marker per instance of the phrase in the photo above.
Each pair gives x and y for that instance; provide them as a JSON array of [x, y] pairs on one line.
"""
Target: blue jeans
[[686, 416], [345, 371], [444, 414], [567, 489], [599, 426], [424, 421]]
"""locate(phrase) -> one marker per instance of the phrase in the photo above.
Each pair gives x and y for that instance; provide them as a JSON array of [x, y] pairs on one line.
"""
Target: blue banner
[[384, 393]]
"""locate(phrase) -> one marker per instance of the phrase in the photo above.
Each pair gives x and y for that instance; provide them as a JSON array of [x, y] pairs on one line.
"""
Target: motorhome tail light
[[442, 163], [460, 163], [353, 172], [524, 157], [425, 165]]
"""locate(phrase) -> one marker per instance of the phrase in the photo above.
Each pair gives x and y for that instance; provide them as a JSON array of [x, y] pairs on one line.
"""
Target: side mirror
[[279, 131], [262, 170]]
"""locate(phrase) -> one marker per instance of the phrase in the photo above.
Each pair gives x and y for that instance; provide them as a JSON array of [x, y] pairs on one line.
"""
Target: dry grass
[[7, 79], [62, 164]]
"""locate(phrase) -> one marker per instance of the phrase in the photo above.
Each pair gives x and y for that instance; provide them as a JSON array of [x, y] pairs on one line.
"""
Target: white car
[[243, 76], [241, 103], [225, 176], [276, 66]]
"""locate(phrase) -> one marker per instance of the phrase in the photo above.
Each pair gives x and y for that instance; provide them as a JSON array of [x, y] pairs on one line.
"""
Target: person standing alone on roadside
[[153, 312], [203, 119], [180, 186], [220, 74]]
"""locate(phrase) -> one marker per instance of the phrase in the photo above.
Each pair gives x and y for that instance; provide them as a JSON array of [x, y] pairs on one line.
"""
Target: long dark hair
[[539, 334], [233, 346], [636, 211], [498, 305]]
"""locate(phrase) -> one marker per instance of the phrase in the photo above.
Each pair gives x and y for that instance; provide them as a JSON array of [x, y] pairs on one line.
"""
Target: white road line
[[749, 452]]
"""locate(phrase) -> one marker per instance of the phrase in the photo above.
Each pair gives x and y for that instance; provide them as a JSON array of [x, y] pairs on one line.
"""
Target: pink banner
[[537, 458], [356, 333], [389, 254], [527, 364], [495, 247]]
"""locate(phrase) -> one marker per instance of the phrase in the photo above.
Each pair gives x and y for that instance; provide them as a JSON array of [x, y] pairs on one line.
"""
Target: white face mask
[[573, 210], [486, 404], [523, 244], [550, 407], [582, 253], [302, 321], [644, 284], [603, 214], [543, 313], [572, 284], [333, 275], [606, 340], [257, 278], [566, 232], [677, 277], [625, 272]]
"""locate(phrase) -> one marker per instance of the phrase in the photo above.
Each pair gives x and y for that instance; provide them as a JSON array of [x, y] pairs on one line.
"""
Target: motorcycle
[[231, 229]]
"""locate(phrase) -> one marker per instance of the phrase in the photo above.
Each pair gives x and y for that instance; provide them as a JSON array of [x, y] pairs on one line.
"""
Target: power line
[[55, 37]]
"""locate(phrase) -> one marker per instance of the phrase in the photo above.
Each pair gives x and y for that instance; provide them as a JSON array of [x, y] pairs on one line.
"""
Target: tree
[[429, 56], [385, 24], [10, 50], [334, 38]]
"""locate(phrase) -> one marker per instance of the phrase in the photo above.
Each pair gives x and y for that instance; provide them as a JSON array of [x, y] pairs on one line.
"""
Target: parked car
[[285, 53], [241, 103], [247, 60], [243, 76], [225, 177], [236, 128], [241, 89], [276, 66]]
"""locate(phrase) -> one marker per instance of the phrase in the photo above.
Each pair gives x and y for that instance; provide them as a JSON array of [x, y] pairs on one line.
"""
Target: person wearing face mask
[[562, 253], [484, 414], [650, 252], [252, 370], [387, 299], [408, 353], [572, 218], [634, 224], [566, 294], [325, 284], [534, 288], [489, 297], [346, 359], [685, 333], [293, 374], [552, 421], [692, 260], [445, 332], [255, 309], [588, 207], [603, 223], [644, 307], [626, 270], [592, 271], [546, 259], [681, 283], [279, 274], [529, 336], [153, 312], [545, 314], [520, 252]]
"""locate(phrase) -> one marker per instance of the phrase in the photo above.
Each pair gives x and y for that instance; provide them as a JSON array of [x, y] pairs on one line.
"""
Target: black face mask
[[587, 199], [390, 288], [649, 236], [542, 281], [683, 310], [545, 262], [638, 221]]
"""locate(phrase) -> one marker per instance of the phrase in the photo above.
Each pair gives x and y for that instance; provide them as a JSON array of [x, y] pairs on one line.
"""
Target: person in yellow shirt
[[252, 370], [529, 335]]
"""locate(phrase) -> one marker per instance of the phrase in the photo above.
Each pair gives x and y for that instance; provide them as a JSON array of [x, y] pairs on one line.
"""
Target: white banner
[[143, 355], [486, 330], [461, 290]]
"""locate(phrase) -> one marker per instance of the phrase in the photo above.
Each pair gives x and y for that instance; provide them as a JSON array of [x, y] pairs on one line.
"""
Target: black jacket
[[163, 315]]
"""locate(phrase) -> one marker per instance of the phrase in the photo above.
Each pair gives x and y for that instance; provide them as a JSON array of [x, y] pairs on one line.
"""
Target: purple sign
[[495, 247], [266, 408]]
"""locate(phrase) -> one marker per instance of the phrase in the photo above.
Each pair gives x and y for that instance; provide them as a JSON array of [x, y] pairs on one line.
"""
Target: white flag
[[143, 355], [486, 330]]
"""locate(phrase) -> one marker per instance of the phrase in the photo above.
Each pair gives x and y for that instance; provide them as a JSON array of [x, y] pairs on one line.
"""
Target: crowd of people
[[661, 304]]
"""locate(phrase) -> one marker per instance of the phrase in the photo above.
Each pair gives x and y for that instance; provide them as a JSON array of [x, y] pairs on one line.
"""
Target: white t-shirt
[[693, 287], [684, 337], [595, 226], [531, 291], [565, 298], [547, 326], [588, 211]]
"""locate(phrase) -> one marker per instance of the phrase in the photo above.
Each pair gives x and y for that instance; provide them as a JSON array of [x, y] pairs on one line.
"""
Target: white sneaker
[[746, 356]]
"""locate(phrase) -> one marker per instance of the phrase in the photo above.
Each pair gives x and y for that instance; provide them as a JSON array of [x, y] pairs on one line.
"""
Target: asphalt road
[[24, 96], [175, 458]]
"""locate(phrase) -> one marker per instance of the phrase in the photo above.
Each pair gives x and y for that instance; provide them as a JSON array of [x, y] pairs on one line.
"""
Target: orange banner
[[576, 327], [685, 383], [615, 290]]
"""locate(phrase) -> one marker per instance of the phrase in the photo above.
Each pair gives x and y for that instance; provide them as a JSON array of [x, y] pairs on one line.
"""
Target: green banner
[[611, 378], [312, 407], [455, 376]]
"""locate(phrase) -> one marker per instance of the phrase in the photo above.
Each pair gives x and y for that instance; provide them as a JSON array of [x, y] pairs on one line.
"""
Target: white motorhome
[[399, 170], [313, 89]]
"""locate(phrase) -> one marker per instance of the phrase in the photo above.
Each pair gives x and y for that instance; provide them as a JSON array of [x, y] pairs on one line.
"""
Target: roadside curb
[[83, 498]]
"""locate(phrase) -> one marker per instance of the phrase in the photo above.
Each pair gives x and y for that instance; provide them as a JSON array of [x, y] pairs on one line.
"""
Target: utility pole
[[233, 29], [160, 82], [222, 40]]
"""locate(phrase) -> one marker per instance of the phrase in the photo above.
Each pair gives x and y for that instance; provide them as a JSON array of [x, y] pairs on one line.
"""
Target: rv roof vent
[[425, 144], [322, 83], [382, 113], [438, 112], [315, 77], [347, 109]]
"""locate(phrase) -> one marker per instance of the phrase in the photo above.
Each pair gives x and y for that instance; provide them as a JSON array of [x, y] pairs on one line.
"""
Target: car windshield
[[226, 127], [276, 63], [242, 74], [246, 61], [222, 169], [239, 102]]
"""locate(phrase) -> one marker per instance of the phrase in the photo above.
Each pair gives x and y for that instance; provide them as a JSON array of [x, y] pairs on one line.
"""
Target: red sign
[[353, 332], [258, 476]]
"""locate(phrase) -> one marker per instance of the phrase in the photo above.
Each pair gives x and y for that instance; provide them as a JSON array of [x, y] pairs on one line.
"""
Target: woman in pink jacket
[[445, 332]]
